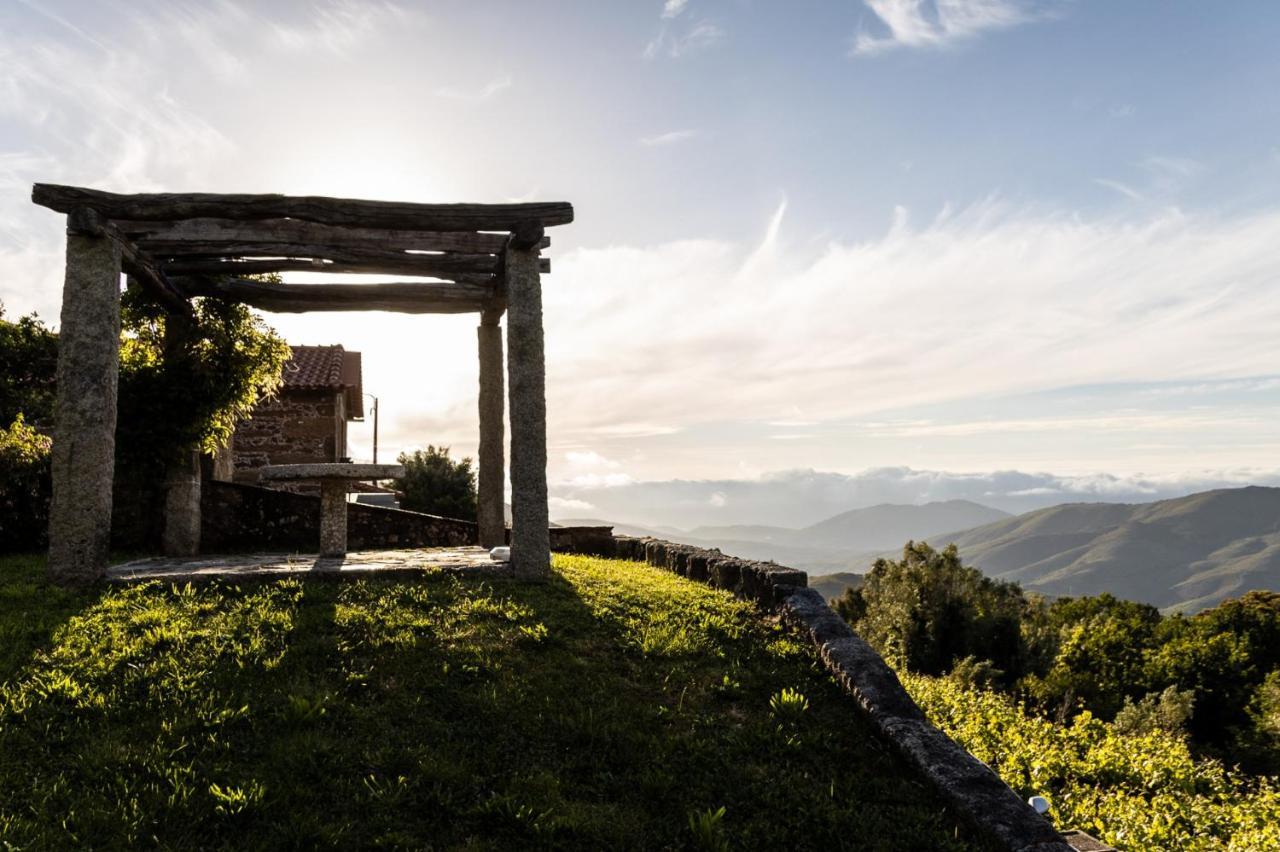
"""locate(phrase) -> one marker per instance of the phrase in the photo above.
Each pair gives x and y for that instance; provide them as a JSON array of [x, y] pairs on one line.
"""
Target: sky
[[956, 238]]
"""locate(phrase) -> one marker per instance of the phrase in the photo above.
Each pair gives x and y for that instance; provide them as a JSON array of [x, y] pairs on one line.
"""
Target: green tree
[[24, 487], [437, 485], [1099, 657], [183, 384], [28, 371], [927, 611]]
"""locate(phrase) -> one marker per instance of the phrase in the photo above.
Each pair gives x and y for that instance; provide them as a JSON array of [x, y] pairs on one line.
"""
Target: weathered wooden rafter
[[176, 245], [311, 208], [403, 297], [435, 265], [195, 234]]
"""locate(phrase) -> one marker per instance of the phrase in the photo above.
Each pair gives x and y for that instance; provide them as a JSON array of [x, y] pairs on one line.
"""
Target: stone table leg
[[333, 517]]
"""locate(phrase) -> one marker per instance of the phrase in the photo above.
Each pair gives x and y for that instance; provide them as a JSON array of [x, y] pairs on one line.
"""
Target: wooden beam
[[435, 265], [399, 296], [528, 235], [163, 236], [432, 263], [327, 211], [87, 222]]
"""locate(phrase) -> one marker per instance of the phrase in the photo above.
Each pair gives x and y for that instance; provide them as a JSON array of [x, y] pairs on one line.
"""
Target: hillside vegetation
[[1185, 554], [615, 707], [1155, 732]]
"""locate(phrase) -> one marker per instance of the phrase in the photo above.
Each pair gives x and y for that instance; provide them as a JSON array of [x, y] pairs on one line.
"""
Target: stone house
[[307, 420]]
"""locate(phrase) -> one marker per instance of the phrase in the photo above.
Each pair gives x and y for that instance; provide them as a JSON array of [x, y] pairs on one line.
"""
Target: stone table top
[[331, 470]]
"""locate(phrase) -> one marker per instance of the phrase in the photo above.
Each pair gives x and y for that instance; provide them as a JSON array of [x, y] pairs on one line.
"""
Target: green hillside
[[1185, 554], [615, 707]]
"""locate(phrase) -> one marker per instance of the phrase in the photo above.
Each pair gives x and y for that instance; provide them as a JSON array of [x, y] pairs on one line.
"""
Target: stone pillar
[[333, 517], [84, 433], [182, 476], [526, 379], [182, 506], [490, 514]]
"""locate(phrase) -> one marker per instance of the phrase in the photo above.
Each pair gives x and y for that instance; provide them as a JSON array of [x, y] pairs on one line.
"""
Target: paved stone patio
[[274, 565]]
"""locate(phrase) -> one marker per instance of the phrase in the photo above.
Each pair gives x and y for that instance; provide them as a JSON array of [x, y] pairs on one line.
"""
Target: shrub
[[437, 485], [24, 487], [1134, 790]]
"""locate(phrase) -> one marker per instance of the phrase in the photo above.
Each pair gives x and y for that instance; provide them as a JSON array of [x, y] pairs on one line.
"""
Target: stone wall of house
[[297, 427], [239, 518]]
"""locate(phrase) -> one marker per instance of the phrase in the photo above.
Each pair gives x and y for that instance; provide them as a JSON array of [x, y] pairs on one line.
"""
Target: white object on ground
[[500, 554], [1039, 803]]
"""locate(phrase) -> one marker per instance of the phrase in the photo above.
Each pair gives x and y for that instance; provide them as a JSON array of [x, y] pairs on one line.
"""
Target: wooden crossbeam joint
[[89, 222], [527, 235]]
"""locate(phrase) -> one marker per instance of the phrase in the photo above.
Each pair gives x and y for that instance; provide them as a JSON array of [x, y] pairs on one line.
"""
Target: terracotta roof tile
[[327, 368], [315, 368]]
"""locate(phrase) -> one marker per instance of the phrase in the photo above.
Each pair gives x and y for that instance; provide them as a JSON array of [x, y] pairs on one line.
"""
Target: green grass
[[615, 707]]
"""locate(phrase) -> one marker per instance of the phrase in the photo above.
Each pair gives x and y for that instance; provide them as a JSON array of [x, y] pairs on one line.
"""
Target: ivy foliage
[[184, 383]]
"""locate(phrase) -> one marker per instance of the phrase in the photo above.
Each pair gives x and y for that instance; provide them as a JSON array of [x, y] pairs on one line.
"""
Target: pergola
[[482, 258]]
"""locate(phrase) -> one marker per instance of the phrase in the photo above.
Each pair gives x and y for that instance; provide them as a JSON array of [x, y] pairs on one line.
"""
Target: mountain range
[[848, 541], [1186, 553], [1183, 554]]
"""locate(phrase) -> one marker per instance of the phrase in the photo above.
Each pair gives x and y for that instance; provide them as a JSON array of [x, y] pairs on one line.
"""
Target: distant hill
[[848, 541], [833, 585], [1187, 554], [890, 525]]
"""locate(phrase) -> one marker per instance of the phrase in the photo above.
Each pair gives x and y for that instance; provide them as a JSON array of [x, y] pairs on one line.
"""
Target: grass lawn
[[615, 707]]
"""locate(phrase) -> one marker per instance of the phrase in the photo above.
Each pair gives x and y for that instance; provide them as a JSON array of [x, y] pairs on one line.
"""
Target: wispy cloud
[[668, 138], [673, 8], [494, 87], [923, 24], [697, 37], [1122, 188], [1001, 301]]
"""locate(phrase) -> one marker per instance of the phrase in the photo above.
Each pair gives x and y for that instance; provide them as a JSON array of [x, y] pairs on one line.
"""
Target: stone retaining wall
[[239, 518], [969, 785], [591, 541]]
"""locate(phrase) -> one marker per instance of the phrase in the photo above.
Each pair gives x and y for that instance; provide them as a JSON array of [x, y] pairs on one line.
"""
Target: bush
[[1134, 790], [437, 485], [24, 488]]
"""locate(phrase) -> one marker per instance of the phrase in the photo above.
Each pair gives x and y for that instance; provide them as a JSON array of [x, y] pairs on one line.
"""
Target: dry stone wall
[[239, 518], [968, 784]]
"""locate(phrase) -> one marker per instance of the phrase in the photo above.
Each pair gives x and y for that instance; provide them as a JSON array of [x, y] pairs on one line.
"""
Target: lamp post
[[375, 426]]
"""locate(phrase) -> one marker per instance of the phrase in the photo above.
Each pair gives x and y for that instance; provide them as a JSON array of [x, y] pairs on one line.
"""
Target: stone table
[[333, 479]]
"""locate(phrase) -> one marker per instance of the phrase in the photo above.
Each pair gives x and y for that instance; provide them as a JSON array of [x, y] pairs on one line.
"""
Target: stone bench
[[334, 479]]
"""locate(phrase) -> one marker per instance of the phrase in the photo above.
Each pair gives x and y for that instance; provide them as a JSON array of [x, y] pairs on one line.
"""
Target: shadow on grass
[[32, 609], [589, 711]]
